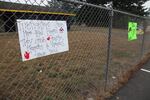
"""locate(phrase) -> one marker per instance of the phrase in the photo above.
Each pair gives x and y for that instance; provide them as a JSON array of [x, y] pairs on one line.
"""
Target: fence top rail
[[106, 8], [37, 12]]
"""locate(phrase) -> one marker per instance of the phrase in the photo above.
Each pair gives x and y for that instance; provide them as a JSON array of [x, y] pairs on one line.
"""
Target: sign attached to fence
[[140, 30], [132, 31], [40, 38]]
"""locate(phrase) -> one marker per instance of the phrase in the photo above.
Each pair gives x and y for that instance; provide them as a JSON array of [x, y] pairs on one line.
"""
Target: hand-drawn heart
[[49, 38], [27, 55]]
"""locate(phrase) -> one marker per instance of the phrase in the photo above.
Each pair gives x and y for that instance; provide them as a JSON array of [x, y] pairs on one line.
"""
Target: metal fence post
[[111, 14], [143, 40]]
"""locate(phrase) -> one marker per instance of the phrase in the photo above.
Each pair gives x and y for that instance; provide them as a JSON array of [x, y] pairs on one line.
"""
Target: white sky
[[44, 2], [33, 2], [147, 4]]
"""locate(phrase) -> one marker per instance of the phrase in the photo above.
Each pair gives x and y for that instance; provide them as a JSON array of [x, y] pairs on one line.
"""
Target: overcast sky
[[34, 2], [44, 2], [147, 4]]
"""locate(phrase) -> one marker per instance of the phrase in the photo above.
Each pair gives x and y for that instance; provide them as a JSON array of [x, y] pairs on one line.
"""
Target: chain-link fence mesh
[[146, 37], [125, 54], [74, 75]]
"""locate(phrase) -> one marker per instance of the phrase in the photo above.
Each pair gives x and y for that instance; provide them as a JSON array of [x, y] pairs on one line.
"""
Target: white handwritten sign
[[40, 38]]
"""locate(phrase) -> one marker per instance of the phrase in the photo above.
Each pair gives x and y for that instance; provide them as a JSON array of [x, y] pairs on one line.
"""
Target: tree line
[[92, 16]]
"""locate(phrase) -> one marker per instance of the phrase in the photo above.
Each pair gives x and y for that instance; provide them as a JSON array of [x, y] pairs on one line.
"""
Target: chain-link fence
[[99, 51]]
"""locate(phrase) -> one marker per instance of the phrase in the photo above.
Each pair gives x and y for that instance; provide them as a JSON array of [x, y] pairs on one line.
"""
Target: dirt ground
[[74, 75]]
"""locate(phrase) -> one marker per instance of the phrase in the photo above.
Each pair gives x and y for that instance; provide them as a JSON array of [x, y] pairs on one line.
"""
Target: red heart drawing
[[27, 55], [49, 38]]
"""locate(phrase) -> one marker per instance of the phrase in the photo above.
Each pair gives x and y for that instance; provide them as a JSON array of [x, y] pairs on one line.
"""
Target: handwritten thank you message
[[40, 38]]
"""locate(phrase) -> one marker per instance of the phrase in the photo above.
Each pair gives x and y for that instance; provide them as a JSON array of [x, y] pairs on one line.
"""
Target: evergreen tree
[[132, 6]]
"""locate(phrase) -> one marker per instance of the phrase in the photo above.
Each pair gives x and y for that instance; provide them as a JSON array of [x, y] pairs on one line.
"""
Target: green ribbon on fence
[[132, 31]]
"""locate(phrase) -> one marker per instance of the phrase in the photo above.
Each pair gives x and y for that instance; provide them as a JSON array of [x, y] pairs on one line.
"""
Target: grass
[[78, 70], [48, 98], [66, 75], [122, 54], [51, 65], [53, 74], [69, 75]]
